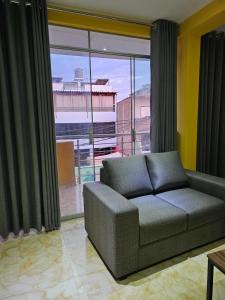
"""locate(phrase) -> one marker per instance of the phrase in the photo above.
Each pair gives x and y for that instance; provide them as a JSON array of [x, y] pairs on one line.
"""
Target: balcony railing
[[89, 152]]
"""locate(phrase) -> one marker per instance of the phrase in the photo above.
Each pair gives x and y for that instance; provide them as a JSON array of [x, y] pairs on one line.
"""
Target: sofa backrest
[[144, 174], [166, 171], [128, 175]]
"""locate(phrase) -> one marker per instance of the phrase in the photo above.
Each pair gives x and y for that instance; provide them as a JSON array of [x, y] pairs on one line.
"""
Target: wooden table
[[216, 259]]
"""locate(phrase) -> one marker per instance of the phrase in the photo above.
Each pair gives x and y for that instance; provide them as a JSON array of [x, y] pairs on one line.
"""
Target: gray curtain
[[163, 86], [211, 113], [28, 177]]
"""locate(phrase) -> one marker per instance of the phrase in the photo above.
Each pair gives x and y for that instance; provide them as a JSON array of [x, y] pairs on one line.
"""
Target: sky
[[117, 70]]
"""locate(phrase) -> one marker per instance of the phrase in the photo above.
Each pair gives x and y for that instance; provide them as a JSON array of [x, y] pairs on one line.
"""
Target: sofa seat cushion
[[200, 207], [158, 219], [166, 171], [128, 176]]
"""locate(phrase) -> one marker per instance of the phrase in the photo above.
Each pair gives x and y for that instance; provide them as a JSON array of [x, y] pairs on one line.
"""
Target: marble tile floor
[[71, 199], [64, 265]]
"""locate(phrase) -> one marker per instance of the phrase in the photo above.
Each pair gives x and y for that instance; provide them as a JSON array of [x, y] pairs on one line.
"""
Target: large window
[[101, 94], [82, 39]]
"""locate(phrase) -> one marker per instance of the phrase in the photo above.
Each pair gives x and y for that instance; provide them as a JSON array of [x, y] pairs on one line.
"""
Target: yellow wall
[[98, 24], [191, 30]]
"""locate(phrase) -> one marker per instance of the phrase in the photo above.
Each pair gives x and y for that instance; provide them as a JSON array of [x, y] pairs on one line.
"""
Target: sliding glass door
[[72, 101], [102, 105], [141, 105], [111, 79]]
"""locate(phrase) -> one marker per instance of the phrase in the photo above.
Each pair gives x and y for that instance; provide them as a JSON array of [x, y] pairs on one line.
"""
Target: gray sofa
[[147, 208]]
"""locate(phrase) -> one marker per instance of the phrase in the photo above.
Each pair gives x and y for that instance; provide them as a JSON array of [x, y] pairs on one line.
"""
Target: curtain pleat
[[163, 86], [211, 115], [28, 176]]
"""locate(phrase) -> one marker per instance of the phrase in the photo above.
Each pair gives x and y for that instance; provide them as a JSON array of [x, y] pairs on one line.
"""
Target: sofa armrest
[[112, 223], [208, 184]]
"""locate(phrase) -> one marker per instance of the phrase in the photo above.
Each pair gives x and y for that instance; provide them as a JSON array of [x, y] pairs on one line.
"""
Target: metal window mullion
[[92, 115], [134, 99], [131, 106]]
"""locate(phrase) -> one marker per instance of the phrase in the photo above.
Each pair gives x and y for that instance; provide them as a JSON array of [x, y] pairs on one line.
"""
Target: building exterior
[[73, 102], [133, 122]]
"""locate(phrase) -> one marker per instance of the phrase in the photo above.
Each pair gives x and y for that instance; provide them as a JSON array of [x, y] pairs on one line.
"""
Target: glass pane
[[73, 124], [112, 124], [69, 37], [142, 105], [116, 43]]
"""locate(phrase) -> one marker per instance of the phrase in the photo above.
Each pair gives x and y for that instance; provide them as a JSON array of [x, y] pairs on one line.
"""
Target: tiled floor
[[64, 265], [71, 199]]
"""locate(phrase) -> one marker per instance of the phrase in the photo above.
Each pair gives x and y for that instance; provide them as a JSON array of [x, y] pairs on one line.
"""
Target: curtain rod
[[99, 16]]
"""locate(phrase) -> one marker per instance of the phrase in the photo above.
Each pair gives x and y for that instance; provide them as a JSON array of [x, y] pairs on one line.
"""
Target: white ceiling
[[138, 10]]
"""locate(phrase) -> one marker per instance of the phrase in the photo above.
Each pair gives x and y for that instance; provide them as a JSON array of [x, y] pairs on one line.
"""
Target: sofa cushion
[[158, 219], [166, 171], [200, 207], [128, 176]]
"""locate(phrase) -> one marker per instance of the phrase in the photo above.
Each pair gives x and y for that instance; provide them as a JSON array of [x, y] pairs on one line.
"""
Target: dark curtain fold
[[28, 176], [211, 115], [163, 86]]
